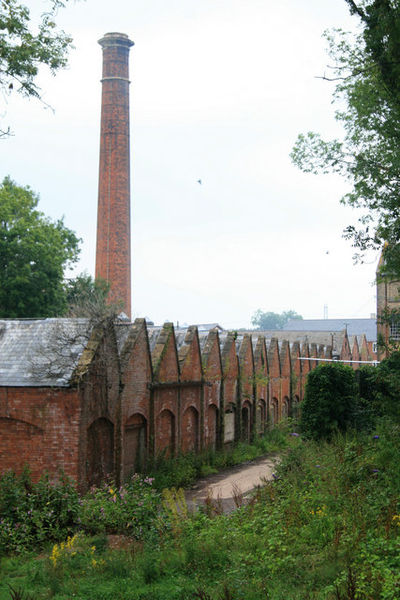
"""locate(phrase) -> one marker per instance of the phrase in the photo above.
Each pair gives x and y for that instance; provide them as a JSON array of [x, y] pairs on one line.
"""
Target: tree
[[366, 72], [88, 298], [34, 252], [25, 46], [83, 292], [330, 401], [270, 320]]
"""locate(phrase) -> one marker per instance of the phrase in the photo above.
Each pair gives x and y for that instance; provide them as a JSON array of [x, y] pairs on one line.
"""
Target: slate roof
[[354, 326], [40, 352]]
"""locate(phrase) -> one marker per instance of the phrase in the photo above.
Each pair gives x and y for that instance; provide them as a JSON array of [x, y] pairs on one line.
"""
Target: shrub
[[388, 387], [330, 401], [33, 514], [131, 509]]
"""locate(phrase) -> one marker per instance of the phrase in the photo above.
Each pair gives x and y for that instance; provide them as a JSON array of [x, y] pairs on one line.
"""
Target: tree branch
[[354, 9]]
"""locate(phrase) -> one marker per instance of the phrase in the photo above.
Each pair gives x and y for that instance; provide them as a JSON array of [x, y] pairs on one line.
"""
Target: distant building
[[353, 326], [388, 300]]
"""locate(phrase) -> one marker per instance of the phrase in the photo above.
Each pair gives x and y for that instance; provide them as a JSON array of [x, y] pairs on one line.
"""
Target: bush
[[387, 391], [131, 509], [330, 401], [34, 514]]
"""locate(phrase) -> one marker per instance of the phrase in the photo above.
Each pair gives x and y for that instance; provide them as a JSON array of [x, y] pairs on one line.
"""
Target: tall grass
[[184, 469], [326, 528]]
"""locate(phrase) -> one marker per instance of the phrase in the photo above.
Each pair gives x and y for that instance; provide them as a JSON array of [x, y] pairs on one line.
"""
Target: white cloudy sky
[[220, 89]]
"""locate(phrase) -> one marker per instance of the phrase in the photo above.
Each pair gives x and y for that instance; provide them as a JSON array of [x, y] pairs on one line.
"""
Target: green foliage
[[270, 320], [83, 290], [367, 74], [330, 401], [387, 391], [184, 469], [326, 528], [132, 509], [379, 390], [25, 46], [32, 515], [34, 251]]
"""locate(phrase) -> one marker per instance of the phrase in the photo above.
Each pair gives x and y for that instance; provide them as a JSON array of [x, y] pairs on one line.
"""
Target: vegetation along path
[[227, 488]]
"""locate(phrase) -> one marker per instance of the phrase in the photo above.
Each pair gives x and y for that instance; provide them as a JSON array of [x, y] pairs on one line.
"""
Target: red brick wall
[[212, 370], [247, 387], [101, 415], [136, 375], [130, 405], [230, 383], [274, 380], [39, 427]]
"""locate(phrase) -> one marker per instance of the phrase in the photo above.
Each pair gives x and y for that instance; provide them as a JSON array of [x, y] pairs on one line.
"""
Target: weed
[[17, 594]]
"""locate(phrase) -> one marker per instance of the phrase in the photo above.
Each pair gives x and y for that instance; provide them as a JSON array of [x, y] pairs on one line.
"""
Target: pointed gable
[[313, 354], [230, 365], [135, 335], [164, 355], [211, 357], [190, 357], [305, 355], [295, 362], [246, 365], [285, 359], [261, 368], [274, 359], [345, 353], [355, 353], [364, 349]]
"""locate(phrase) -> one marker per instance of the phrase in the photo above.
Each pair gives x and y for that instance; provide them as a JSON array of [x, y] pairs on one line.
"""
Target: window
[[395, 330]]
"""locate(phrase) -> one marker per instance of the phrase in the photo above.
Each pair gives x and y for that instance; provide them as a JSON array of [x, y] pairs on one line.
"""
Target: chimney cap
[[115, 39]]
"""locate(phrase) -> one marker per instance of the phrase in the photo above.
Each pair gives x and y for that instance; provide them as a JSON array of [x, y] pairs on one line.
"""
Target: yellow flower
[[111, 491]]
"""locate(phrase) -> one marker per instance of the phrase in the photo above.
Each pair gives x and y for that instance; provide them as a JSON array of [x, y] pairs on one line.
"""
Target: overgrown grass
[[326, 528], [185, 469]]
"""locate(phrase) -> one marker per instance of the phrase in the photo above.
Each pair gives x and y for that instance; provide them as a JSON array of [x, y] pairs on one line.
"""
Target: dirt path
[[223, 486]]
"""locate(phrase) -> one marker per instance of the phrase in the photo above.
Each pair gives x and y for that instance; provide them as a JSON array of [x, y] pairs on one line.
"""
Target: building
[[101, 401]]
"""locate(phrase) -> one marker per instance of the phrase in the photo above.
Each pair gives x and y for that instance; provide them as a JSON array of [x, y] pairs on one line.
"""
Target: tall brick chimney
[[113, 248]]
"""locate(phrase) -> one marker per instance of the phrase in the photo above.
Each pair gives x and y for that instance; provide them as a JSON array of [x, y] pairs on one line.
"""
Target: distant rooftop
[[203, 326], [354, 326]]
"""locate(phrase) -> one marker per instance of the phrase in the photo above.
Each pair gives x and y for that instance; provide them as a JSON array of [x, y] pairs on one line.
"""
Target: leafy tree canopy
[[366, 72], [270, 320], [330, 401], [26, 45], [34, 252]]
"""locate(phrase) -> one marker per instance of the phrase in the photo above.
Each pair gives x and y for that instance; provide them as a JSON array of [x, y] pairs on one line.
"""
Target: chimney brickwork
[[113, 250]]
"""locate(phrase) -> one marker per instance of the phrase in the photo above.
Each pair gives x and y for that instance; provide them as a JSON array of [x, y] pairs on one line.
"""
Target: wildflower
[[318, 466], [376, 437], [295, 434], [319, 511], [375, 470], [111, 491]]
